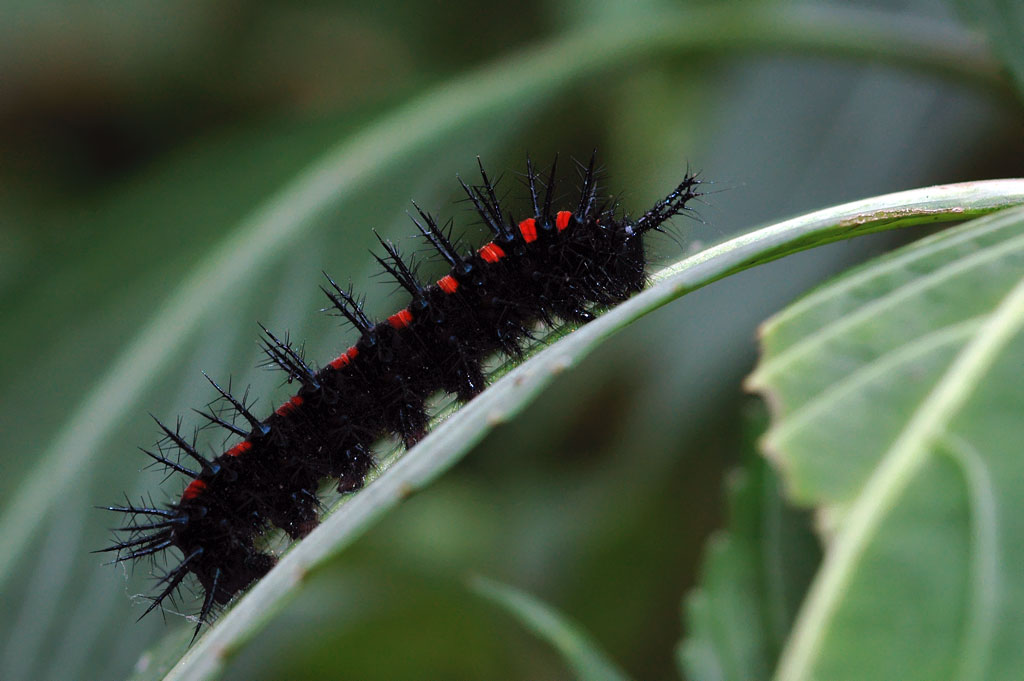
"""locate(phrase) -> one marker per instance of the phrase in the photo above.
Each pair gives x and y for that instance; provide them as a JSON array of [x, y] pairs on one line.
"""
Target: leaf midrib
[[985, 578]]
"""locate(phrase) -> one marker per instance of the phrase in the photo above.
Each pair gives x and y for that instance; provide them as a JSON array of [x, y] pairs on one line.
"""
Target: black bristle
[[436, 237], [148, 551], [258, 428], [172, 579], [139, 541], [588, 195], [531, 183], [215, 420], [208, 599], [173, 465], [348, 306], [398, 269], [485, 193], [132, 510], [550, 191], [282, 355], [486, 203], [182, 445]]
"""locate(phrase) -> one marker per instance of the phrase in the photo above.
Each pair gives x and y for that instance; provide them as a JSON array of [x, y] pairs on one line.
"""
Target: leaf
[[580, 653], [896, 394], [753, 578], [456, 434]]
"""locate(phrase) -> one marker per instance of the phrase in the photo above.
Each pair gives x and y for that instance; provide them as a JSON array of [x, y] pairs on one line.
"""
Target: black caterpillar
[[552, 266]]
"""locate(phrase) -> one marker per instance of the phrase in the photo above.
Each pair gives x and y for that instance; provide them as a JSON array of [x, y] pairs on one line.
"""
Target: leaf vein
[[812, 343]]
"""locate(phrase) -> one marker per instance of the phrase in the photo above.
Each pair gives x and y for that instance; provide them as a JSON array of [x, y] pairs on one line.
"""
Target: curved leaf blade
[[578, 650]]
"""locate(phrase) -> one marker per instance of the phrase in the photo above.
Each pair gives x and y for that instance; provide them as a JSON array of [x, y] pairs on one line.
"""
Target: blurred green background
[[136, 137]]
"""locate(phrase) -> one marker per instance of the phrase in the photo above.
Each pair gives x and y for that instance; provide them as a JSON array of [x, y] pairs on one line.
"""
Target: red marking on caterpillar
[[345, 358], [528, 228], [448, 284], [241, 448], [562, 219], [400, 319], [194, 489], [550, 266], [289, 406], [491, 253]]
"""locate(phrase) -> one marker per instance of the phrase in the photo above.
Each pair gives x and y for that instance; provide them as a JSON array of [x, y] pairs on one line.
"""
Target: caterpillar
[[555, 265]]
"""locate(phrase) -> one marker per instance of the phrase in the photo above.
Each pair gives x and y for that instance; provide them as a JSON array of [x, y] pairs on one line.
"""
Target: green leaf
[[577, 649], [896, 394], [752, 581], [455, 434]]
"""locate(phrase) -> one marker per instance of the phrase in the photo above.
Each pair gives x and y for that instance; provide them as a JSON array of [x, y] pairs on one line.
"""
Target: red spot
[[448, 284], [400, 319], [194, 489], [491, 252], [562, 219], [528, 228], [240, 448], [345, 358], [288, 406]]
